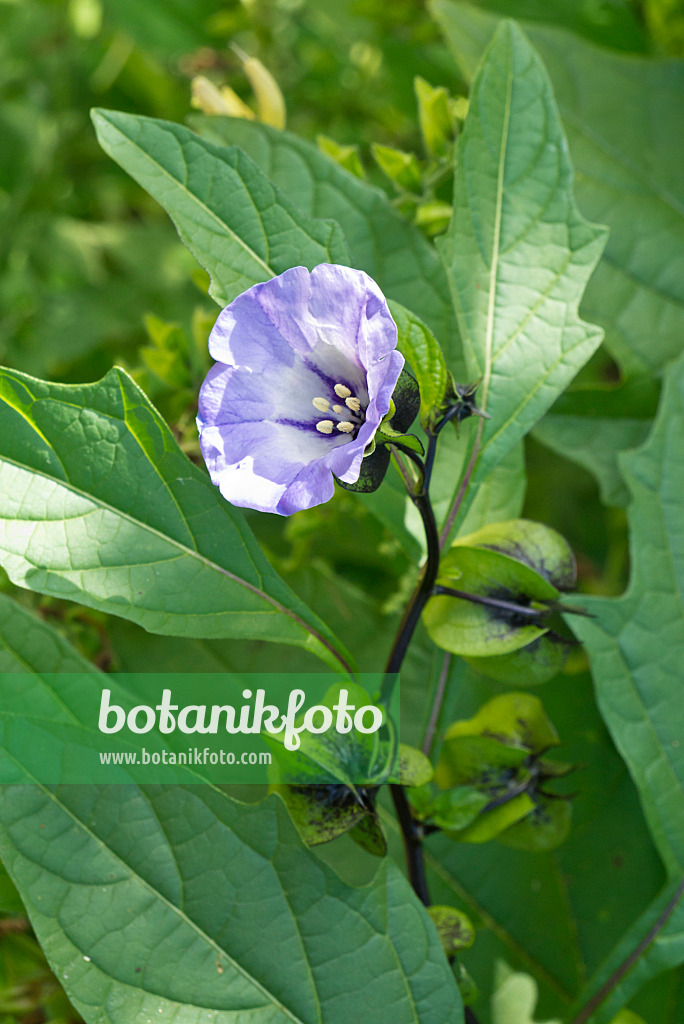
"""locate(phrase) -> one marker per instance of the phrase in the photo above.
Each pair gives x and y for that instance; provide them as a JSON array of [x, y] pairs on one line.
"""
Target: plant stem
[[411, 833], [423, 591], [413, 845], [436, 705]]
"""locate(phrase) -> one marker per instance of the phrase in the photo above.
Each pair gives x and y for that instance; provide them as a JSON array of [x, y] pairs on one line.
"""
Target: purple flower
[[306, 366]]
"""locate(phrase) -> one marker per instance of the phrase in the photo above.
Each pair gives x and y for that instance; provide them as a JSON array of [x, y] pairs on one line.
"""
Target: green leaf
[[491, 824], [29, 644], [390, 249], [167, 901], [501, 496], [436, 122], [419, 347], [638, 680], [99, 505], [451, 809], [239, 227], [518, 254], [346, 758], [346, 156], [401, 168], [415, 768], [628, 158], [590, 427]]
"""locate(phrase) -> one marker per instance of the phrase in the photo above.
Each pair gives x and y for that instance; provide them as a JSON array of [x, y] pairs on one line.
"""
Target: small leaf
[[454, 928], [348, 758], [270, 101], [452, 809], [479, 761], [401, 168], [405, 440], [346, 156], [406, 398], [368, 834], [418, 345], [434, 115]]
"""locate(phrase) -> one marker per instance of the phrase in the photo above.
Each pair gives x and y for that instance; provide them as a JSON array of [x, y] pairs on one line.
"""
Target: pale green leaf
[[99, 505], [418, 345], [629, 157], [518, 254], [638, 681], [239, 227]]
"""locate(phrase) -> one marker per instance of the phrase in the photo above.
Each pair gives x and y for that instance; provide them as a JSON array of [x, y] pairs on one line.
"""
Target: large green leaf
[[239, 226], [593, 425], [518, 253], [172, 902], [27, 644], [628, 156], [99, 505], [638, 681], [380, 240], [204, 898]]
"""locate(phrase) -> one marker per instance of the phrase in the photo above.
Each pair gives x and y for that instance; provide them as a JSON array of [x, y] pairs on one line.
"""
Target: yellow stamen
[[338, 409], [325, 426], [346, 427], [352, 403], [341, 391], [322, 404]]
